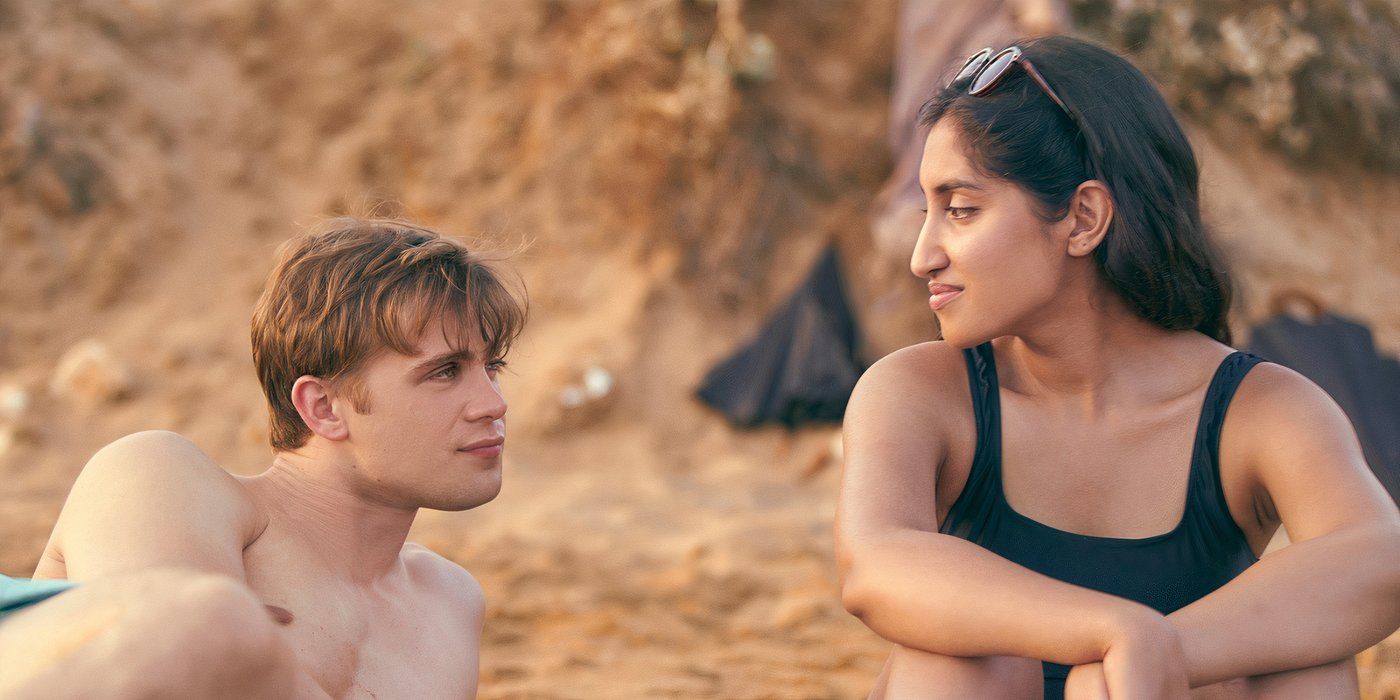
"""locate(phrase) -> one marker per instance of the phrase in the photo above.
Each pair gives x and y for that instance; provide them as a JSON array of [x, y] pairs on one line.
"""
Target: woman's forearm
[[1307, 604], [944, 595]]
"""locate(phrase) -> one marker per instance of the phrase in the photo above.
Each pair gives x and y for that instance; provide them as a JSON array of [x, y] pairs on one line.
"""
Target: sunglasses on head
[[984, 71]]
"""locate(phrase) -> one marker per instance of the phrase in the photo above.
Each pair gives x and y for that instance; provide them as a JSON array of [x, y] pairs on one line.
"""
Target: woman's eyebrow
[[951, 185]]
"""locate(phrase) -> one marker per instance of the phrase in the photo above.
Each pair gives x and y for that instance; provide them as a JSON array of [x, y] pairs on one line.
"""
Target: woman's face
[[990, 261]]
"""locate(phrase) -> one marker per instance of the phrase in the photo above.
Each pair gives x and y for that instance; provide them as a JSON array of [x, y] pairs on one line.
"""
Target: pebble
[[90, 372]]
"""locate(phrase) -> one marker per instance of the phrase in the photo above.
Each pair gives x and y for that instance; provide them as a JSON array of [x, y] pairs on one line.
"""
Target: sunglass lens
[[993, 72], [970, 68]]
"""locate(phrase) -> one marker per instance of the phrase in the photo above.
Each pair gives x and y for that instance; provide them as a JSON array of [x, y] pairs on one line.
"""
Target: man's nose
[[486, 402]]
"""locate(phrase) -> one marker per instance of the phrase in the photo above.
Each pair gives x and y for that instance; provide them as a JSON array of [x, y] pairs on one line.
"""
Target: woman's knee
[[920, 674]]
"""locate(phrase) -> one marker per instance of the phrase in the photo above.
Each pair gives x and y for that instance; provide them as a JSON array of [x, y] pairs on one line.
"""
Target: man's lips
[[485, 447]]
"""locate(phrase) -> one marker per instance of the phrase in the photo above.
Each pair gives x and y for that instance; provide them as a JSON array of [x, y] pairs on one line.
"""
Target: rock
[[585, 397], [597, 382], [51, 192], [14, 401], [89, 372], [571, 397], [829, 454], [756, 61], [795, 610], [1316, 78]]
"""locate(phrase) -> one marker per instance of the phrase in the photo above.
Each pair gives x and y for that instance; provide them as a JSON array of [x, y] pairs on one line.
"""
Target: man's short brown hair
[[354, 287]]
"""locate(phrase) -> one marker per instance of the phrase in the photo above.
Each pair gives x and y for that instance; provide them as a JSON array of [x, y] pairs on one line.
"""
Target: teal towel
[[19, 593]]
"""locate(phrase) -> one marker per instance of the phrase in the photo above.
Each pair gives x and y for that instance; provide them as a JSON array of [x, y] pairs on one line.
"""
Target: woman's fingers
[[1086, 682]]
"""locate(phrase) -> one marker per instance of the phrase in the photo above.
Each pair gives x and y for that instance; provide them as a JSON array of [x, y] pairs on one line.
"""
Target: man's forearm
[[1307, 604]]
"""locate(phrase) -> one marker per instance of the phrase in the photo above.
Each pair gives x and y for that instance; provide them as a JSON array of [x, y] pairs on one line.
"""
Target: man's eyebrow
[[951, 185], [444, 358]]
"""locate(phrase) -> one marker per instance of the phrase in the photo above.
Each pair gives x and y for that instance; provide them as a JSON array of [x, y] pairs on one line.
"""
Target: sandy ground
[[153, 154]]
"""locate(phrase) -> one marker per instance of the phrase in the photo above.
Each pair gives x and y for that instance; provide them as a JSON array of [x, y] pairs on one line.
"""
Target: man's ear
[[1090, 213], [313, 399]]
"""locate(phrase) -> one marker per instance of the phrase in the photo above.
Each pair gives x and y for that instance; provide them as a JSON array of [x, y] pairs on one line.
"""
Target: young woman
[[1083, 472]]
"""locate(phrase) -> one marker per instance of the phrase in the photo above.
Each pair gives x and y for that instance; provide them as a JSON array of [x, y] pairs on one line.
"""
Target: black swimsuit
[[1168, 571]]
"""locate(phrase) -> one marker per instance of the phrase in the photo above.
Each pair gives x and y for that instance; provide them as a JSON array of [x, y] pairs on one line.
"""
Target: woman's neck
[[1094, 358]]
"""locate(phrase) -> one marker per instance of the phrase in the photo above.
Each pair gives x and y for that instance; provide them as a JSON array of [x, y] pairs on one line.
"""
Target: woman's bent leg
[[1335, 680], [910, 673]]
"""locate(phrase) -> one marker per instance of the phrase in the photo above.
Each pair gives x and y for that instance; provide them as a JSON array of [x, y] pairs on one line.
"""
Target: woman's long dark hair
[[1157, 254]]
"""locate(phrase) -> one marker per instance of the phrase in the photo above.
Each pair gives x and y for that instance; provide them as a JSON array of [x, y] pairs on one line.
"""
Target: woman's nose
[[928, 256]]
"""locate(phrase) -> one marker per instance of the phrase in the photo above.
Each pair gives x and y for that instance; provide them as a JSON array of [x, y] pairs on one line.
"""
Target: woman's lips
[[943, 298]]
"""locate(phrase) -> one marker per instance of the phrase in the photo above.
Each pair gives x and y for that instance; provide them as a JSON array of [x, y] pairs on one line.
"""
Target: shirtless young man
[[378, 345]]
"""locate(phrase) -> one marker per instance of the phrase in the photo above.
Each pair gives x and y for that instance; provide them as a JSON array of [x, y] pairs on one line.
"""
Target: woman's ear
[[1091, 212], [312, 397]]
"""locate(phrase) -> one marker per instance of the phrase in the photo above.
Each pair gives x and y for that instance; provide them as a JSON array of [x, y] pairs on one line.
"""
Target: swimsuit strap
[[974, 506], [1207, 493]]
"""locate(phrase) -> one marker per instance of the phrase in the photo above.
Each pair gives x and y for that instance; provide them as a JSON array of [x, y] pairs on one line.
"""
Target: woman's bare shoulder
[[928, 380], [1277, 412], [908, 421], [927, 366], [1288, 440]]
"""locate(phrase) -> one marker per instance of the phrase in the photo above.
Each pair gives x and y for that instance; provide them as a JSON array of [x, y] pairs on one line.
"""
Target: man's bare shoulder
[[445, 579], [153, 499], [159, 467], [158, 456]]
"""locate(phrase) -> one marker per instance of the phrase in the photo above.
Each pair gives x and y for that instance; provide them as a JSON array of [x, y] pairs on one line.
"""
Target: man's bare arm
[[161, 633], [153, 499]]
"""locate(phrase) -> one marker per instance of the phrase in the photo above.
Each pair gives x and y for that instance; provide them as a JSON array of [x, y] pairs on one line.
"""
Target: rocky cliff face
[[1319, 79]]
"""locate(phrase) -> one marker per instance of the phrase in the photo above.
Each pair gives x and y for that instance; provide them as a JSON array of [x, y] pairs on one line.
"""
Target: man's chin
[[480, 495]]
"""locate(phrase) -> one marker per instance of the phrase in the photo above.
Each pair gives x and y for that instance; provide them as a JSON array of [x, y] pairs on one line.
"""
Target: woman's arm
[[1336, 590], [928, 591]]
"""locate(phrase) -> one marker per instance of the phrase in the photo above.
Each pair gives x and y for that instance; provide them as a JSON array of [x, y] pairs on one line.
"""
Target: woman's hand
[[1086, 682], [1143, 661]]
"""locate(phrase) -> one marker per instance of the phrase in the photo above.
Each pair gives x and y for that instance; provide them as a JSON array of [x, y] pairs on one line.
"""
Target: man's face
[[435, 430]]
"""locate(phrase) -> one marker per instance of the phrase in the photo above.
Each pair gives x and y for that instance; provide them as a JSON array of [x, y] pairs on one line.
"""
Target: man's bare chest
[[358, 643]]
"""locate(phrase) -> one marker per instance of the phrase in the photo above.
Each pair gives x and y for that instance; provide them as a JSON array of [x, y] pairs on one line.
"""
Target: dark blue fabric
[[802, 366], [1166, 572]]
